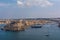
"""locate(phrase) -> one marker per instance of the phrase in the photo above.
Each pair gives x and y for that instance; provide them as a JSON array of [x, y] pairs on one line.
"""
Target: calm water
[[33, 33]]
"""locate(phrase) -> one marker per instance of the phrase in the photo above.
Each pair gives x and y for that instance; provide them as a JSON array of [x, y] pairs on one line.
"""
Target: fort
[[22, 24]]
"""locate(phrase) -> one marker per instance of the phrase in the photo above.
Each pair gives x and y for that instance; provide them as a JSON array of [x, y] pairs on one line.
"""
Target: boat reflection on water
[[36, 26]]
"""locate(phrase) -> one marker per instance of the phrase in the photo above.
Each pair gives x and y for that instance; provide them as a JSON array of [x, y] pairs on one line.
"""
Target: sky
[[29, 9]]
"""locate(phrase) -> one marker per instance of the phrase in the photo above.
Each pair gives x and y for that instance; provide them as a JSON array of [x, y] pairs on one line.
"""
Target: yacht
[[36, 26]]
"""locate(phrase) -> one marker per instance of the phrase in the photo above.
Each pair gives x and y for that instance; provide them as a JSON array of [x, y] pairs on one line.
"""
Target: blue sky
[[29, 9]]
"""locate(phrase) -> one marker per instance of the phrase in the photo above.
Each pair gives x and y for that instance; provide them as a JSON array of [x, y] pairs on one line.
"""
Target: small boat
[[36, 26], [1, 28], [59, 25], [47, 35]]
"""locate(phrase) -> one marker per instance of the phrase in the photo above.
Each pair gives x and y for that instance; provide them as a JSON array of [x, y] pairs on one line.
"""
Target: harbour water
[[33, 33]]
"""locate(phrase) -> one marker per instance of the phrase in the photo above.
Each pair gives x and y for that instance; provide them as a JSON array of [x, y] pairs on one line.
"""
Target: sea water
[[52, 30]]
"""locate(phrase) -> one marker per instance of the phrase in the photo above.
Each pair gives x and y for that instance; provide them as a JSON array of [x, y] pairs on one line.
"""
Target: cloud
[[20, 3], [28, 3]]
